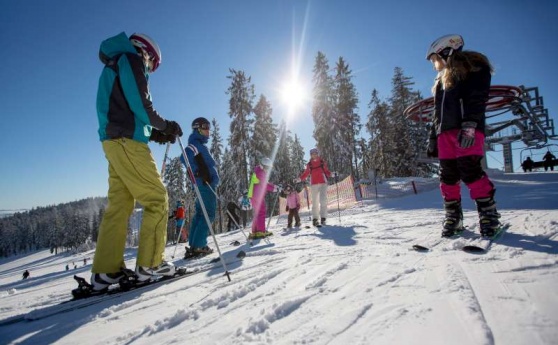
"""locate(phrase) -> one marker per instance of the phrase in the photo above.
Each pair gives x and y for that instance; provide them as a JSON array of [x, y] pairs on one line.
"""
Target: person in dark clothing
[[26, 274], [461, 91], [234, 219], [548, 161], [245, 207], [527, 164]]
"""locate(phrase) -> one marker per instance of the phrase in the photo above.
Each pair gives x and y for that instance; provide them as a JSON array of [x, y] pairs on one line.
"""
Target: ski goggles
[[204, 126]]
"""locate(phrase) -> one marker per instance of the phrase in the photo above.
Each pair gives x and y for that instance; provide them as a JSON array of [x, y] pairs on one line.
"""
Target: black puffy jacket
[[465, 101]]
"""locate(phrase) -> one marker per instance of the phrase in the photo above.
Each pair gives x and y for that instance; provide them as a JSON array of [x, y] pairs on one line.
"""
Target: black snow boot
[[315, 222], [453, 222], [489, 218], [323, 220]]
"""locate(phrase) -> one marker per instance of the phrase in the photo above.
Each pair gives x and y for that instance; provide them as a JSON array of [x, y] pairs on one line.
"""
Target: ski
[[75, 304], [112, 293], [481, 245], [426, 247]]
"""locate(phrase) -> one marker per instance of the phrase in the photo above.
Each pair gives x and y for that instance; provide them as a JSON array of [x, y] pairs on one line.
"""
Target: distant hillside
[[7, 213]]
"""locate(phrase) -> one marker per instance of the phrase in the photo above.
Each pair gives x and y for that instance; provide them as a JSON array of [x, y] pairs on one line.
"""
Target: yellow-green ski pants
[[133, 176]]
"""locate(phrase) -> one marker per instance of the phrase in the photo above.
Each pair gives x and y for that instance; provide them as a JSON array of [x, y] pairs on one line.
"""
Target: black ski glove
[[161, 138], [172, 128], [432, 150], [466, 136]]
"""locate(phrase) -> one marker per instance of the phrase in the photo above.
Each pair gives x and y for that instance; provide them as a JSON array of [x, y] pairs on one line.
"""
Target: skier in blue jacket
[[207, 180]]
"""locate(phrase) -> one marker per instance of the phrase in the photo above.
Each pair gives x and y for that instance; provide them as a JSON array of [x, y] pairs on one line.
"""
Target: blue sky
[[49, 145]]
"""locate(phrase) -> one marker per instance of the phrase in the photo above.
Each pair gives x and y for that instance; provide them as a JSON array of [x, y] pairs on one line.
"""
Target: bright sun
[[294, 94]]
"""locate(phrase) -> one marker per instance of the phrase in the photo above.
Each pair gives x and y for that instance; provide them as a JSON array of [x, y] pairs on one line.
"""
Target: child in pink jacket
[[293, 205]]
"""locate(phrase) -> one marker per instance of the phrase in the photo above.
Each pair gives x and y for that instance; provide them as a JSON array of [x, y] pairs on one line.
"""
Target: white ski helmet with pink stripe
[[445, 46], [148, 45]]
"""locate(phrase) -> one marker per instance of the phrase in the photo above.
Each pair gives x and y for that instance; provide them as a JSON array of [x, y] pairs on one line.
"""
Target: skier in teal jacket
[[127, 121]]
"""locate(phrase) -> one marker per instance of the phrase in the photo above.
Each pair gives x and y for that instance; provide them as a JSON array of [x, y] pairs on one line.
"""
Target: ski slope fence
[[350, 193]]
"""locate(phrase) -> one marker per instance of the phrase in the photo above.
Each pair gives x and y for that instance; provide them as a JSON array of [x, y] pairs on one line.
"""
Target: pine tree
[[395, 142], [241, 100], [298, 163], [264, 140], [264, 136], [282, 170], [401, 98], [347, 121], [216, 151], [322, 110], [381, 137]]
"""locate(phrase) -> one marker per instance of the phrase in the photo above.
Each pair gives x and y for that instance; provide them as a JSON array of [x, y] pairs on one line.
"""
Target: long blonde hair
[[458, 66]]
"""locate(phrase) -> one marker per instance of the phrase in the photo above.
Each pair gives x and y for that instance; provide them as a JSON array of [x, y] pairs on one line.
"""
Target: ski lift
[[538, 162]]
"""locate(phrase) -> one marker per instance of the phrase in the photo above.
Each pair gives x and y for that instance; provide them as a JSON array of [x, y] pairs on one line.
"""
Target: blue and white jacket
[[201, 161]]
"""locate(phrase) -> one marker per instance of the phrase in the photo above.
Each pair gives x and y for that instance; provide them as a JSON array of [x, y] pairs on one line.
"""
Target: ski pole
[[271, 213], [337, 186], [163, 168], [308, 201], [198, 195], [165, 159], [233, 219], [176, 240]]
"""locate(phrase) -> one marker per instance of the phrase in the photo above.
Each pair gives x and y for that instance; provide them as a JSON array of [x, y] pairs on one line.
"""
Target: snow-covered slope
[[353, 282]]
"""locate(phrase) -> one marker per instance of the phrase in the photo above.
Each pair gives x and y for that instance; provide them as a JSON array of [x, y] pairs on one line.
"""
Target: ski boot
[[323, 221], [145, 274], [453, 223], [489, 218], [85, 289], [315, 222], [197, 252], [128, 280]]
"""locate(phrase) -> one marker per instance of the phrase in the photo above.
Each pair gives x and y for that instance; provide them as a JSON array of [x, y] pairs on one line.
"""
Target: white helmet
[[445, 45], [148, 45], [266, 162]]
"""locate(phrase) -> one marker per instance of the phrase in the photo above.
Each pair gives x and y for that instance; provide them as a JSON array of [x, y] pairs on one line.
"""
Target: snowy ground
[[353, 282]]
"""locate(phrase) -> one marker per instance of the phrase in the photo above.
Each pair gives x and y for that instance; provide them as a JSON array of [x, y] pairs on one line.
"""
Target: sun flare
[[294, 94]]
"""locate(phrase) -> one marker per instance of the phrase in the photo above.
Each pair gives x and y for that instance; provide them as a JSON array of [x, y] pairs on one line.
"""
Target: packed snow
[[355, 281]]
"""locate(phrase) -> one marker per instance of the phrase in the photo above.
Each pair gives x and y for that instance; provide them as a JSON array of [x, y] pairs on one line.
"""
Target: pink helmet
[[149, 46]]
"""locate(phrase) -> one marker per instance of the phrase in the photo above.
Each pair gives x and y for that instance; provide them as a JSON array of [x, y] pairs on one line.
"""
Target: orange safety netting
[[343, 188]]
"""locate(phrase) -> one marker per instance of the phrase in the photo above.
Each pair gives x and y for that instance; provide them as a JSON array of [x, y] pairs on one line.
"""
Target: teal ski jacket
[[124, 107]]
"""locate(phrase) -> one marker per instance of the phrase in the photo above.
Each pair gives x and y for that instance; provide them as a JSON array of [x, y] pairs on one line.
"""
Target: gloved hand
[[466, 136], [432, 149], [173, 128], [287, 209], [296, 180], [161, 138]]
